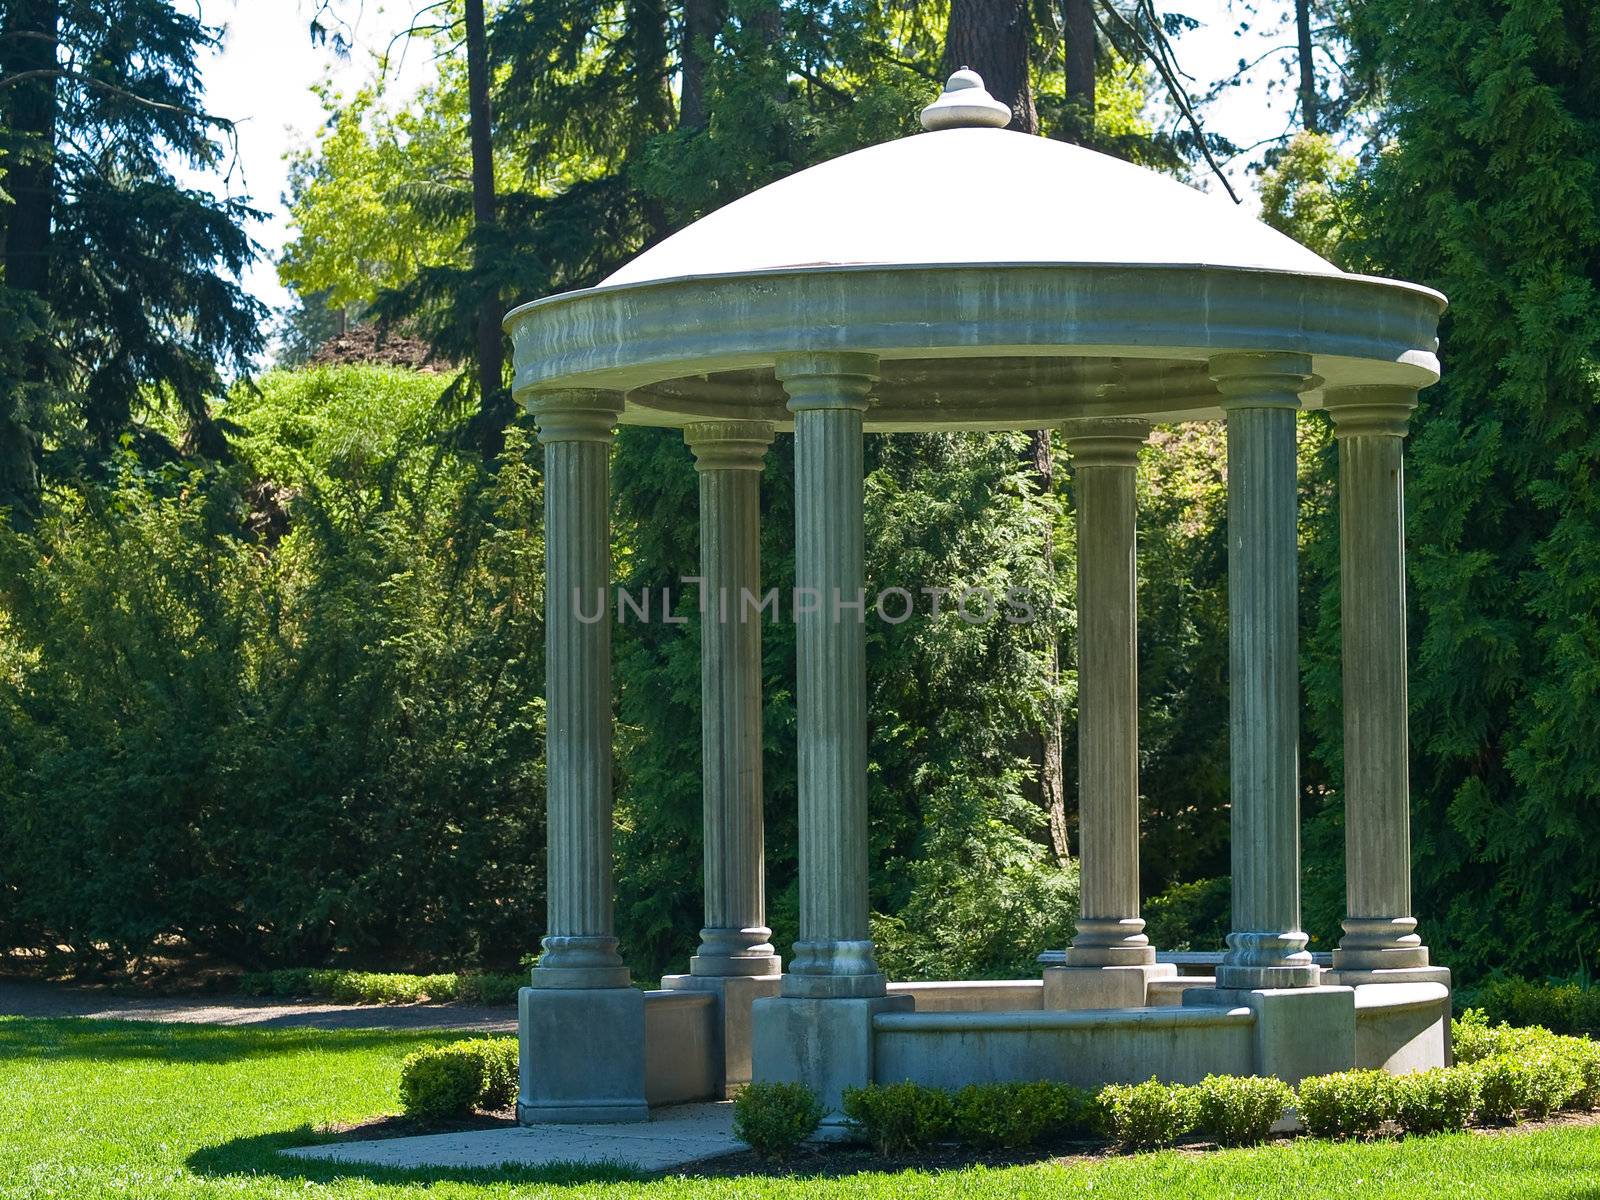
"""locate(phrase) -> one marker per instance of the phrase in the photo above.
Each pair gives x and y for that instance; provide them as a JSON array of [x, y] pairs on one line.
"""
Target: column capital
[[827, 379], [1371, 410], [1105, 441], [728, 445], [1261, 380], [576, 415]]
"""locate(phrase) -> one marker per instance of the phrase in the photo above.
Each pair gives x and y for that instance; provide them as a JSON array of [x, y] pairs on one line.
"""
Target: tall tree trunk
[[1310, 116], [28, 44], [1078, 22], [992, 37], [702, 19], [495, 408]]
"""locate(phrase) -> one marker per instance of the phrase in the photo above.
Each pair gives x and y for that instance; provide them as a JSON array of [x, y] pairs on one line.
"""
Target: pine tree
[[120, 285]]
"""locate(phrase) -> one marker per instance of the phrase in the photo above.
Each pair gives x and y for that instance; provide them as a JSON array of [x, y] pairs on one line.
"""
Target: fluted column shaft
[[1105, 455], [729, 457], [580, 948], [1266, 947], [1379, 930], [828, 397]]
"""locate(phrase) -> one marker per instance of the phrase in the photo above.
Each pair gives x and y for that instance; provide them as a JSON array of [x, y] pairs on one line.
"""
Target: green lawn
[[92, 1109]]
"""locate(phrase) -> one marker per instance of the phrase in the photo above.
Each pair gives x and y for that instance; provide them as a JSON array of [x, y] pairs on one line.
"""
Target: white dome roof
[[971, 195]]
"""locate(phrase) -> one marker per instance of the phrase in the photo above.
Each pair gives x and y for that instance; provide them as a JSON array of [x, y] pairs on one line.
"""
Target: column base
[[1259, 960], [1299, 1032], [1110, 986], [834, 970], [826, 1044], [580, 1055], [570, 961], [726, 966], [1380, 944], [736, 996], [1362, 977]]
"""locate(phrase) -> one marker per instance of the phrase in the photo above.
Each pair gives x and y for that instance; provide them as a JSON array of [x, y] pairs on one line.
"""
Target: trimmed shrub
[[897, 1118], [1143, 1116], [1505, 1085], [500, 1081], [1474, 1039], [1014, 1116], [1562, 1008], [383, 987], [1438, 1101], [774, 1118], [1586, 1060], [450, 1081], [1347, 1104], [1239, 1110]]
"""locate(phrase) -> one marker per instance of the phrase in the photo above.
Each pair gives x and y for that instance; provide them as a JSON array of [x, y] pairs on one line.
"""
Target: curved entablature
[[975, 347]]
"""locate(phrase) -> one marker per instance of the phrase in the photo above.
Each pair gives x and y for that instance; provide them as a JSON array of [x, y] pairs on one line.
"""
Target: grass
[[90, 1109]]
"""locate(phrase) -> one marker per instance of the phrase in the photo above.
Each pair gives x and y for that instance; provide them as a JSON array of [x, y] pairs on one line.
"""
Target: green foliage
[[1190, 916], [1307, 193], [1145, 1116], [1438, 1101], [369, 987], [899, 1118], [1239, 1110], [314, 697], [120, 285], [450, 1081], [1348, 1104], [774, 1118], [1560, 1008], [1487, 189], [1015, 1116]]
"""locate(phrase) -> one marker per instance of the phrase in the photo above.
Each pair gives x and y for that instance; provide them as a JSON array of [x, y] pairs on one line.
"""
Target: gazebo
[[878, 292]]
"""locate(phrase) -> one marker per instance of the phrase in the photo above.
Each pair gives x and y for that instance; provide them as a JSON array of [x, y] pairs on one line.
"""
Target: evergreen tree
[[1489, 189], [120, 284]]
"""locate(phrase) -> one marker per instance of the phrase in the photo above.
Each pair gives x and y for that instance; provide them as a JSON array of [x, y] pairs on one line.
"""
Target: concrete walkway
[[21, 999], [672, 1137]]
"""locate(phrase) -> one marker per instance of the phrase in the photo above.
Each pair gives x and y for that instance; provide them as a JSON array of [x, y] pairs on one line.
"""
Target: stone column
[[580, 1026], [729, 456], [828, 397], [1260, 394], [580, 948], [1379, 932], [1110, 962], [1105, 456]]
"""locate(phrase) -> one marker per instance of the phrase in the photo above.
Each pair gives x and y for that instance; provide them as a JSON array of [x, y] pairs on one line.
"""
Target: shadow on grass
[[259, 1156], [80, 1038]]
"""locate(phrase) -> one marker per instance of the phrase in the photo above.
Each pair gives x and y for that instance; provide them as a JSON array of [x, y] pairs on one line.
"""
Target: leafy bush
[[1142, 1116], [774, 1118], [451, 1081], [1347, 1104], [1554, 1082], [899, 1117], [1239, 1110], [1014, 1116], [500, 1079], [1190, 916], [370, 987], [1586, 1060], [1438, 1101], [1560, 1008], [1506, 1087]]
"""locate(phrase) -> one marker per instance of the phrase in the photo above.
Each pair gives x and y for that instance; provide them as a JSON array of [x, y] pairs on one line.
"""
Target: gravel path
[[18, 999]]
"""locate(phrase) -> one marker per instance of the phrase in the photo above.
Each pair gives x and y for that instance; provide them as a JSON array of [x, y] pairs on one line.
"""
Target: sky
[[263, 74]]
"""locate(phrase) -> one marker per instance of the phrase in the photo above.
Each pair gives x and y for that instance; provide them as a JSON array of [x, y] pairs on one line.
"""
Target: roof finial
[[965, 104]]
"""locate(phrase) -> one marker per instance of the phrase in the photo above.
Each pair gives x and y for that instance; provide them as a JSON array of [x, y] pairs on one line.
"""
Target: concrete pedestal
[[824, 1043], [734, 1027], [581, 1055], [1073, 987], [1299, 1032]]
